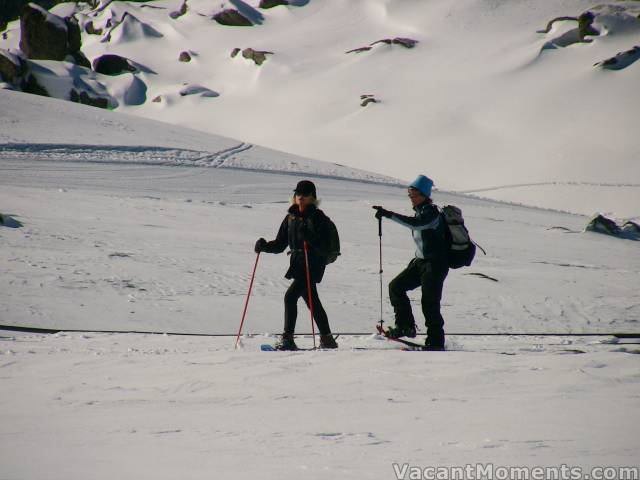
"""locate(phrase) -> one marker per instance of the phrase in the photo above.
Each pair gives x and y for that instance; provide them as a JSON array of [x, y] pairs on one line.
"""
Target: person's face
[[416, 197], [303, 200]]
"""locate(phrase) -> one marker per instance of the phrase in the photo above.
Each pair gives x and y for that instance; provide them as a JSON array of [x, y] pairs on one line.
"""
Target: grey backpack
[[462, 249]]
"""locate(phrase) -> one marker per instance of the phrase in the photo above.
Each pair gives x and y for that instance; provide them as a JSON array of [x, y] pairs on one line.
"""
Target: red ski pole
[[306, 264], [246, 302]]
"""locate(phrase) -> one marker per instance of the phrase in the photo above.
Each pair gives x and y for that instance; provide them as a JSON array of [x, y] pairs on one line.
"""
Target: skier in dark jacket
[[428, 269], [303, 222]]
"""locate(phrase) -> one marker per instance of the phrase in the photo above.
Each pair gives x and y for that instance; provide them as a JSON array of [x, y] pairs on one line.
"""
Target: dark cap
[[306, 187]]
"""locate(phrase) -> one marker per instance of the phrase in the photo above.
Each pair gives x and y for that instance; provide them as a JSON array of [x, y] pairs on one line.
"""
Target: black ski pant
[[297, 289], [430, 276]]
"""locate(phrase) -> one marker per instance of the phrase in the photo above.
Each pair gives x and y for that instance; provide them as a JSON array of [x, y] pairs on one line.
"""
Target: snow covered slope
[[141, 242], [50, 129], [485, 102]]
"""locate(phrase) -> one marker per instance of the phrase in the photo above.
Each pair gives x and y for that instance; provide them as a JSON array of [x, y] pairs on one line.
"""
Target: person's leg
[[432, 284], [319, 314], [293, 293], [405, 281]]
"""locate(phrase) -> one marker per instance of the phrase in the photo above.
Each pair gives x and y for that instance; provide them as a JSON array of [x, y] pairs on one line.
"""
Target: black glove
[[260, 245], [381, 212]]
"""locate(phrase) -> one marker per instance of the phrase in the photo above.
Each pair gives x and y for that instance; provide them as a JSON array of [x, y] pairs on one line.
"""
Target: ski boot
[[327, 341], [402, 331], [286, 342], [433, 346]]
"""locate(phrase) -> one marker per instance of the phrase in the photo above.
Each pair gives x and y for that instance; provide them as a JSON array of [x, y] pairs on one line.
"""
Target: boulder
[[405, 42], [585, 27], [232, 18], [194, 89], [74, 37], [91, 30], [78, 58], [367, 99], [111, 64], [258, 56], [30, 84], [621, 60], [43, 36], [272, 3], [184, 57], [178, 13], [631, 227], [84, 98], [9, 222], [602, 224], [11, 66]]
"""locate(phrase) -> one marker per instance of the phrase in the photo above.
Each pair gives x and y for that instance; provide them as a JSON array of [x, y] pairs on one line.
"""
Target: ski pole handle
[[380, 227]]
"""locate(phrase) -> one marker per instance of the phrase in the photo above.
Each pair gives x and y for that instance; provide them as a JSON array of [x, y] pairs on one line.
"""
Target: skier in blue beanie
[[427, 270]]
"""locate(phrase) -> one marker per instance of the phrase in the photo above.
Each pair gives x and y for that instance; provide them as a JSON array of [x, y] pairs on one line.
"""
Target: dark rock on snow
[[86, 99], [235, 52], [198, 89], [30, 84], [258, 56], [272, 3], [367, 99], [178, 13], [45, 36], [405, 42], [91, 30], [111, 64], [12, 67], [621, 60], [232, 18], [184, 57]]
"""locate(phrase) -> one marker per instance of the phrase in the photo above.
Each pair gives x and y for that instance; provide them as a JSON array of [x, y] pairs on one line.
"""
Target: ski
[[267, 347], [411, 345]]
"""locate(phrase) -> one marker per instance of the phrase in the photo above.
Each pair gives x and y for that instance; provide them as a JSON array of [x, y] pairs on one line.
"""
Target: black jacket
[[310, 225]]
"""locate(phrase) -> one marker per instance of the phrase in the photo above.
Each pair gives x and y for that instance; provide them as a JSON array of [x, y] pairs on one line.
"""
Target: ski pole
[[246, 302], [380, 237], [306, 264]]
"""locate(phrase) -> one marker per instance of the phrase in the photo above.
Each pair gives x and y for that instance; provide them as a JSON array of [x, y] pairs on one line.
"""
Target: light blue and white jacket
[[428, 231]]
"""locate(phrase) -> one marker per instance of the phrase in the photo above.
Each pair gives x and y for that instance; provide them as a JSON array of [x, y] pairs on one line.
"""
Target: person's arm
[[427, 221], [281, 241]]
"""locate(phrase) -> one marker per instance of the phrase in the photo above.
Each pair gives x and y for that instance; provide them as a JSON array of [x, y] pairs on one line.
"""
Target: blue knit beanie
[[422, 184]]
